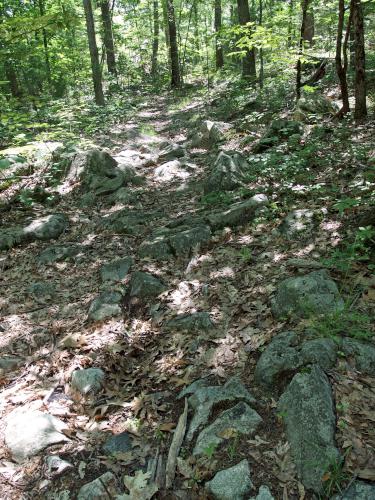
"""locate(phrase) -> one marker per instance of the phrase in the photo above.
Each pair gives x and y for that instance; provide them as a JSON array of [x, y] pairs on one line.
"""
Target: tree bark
[[340, 67], [309, 31], [155, 40], [175, 65], [305, 6], [360, 110], [11, 76], [45, 44], [218, 46], [95, 66], [108, 36], [261, 68], [248, 62]]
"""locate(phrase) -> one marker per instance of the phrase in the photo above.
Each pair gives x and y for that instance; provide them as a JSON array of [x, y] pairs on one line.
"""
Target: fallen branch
[[174, 450]]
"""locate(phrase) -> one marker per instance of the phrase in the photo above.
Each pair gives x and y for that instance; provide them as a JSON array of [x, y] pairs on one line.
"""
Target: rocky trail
[[166, 321]]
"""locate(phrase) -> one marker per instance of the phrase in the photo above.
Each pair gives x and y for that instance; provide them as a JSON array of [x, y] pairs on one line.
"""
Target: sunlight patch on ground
[[224, 272]]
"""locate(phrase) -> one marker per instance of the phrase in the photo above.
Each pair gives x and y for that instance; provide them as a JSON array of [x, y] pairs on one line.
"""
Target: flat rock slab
[[58, 253], [116, 270], [204, 399], [231, 484], [287, 353], [240, 419], [171, 152], [44, 228], [30, 431], [118, 443], [191, 322], [313, 293], [308, 410], [144, 285], [104, 486], [106, 305], [88, 380], [171, 170], [238, 214], [228, 173]]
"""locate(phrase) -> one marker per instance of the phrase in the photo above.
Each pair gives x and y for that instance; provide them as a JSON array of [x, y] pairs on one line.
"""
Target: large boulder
[[231, 484], [228, 173], [241, 419], [30, 431], [238, 213], [43, 228], [307, 407], [313, 293]]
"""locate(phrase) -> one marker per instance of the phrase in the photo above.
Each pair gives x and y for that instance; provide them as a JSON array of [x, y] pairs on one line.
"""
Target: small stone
[[308, 411], [145, 285], [263, 494], [106, 305], [192, 322], [116, 270], [231, 484], [363, 354], [313, 293], [205, 398], [57, 466], [240, 419], [118, 443], [88, 380], [322, 352], [30, 431], [100, 488]]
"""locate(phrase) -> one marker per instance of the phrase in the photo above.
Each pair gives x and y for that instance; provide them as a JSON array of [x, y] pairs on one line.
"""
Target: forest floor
[[233, 277]]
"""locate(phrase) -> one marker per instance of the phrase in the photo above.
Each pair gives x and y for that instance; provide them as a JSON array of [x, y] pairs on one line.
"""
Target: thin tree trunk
[[352, 48], [108, 36], [309, 31], [305, 5], [261, 68], [341, 67], [45, 44], [11, 76], [95, 66], [290, 21], [360, 110], [155, 41], [248, 62], [175, 65], [218, 46]]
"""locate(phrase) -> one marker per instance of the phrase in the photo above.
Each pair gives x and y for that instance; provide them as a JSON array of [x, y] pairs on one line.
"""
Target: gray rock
[[46, 228], [171, 170], [322, 352], [279, 130], [57, 466], [88, 380], [192, 322], [124, 222], [358, 491], [184, 241], [193, 387], [241, 418], [145, 285], [58, 253], [314, 103], [204, 399], [231, 484], [227, 174], [119, 443], [30, 431], [313, 293], [123, 196], [116, 270], [106, 305], [239, 213], [363, 354], [9, 363], [308, 410], [100, 488], [298, 224], [210, 134], [157, 248], [279, 359], [171, 152], [263, 494]]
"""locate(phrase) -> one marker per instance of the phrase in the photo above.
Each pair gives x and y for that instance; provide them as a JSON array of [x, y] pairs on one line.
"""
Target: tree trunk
[[261, 68], [305, 6], [155, 40], [95, 66], [360, 110], [218, 46], [309, 31], [11, 76], [108, 36], [45, 44], [248, 62], [340, 67], [175, 65]]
